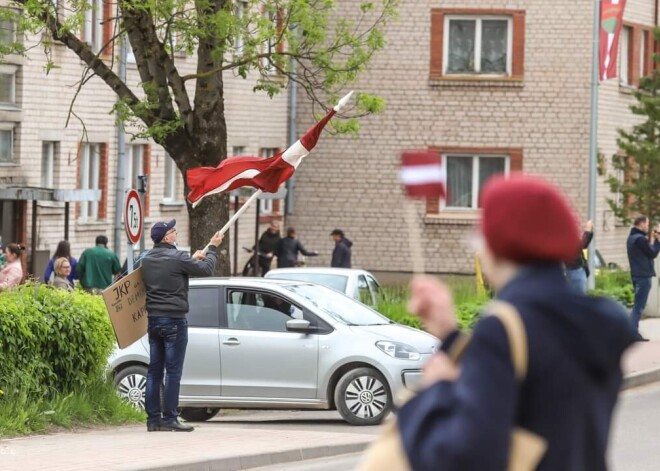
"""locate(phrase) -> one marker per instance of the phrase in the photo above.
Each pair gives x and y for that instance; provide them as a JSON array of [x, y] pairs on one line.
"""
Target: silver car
[[276, 344]]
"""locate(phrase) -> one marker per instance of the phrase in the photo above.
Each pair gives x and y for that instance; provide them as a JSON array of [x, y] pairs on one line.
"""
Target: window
[[466, 176], [135, 165], [251, 310], [93, 27], [364, 295], [642, 54], [203, 307], [238, 150], [7, 31], [48, 153], [241, 15], [90, 178], [272, 45], [266, 206], [7, 144], [171, 180], [130, 55], [8, 84], [624, 67], [477, 43], [374, 287]]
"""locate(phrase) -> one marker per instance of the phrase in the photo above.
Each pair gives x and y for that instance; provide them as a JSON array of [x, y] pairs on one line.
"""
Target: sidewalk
[[243, 442]]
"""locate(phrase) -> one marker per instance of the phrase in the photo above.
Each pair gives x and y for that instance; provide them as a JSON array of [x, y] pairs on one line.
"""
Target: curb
[[236, 463], [641, 378]]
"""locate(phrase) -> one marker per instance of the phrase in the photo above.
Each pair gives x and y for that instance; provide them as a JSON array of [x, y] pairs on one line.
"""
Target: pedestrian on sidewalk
[[12, 274], [97, 266], [62, 270], [63, 250], [268, 243], [289, 248], [577, 270], [341, 255], [165, 272], [465, 418], [643, 248]]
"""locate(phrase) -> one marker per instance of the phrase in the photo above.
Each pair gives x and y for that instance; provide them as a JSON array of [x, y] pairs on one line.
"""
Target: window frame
[[439, 43], [477, 49], [90, 210], [242, 9], [11, 129], [172, 179], [49, 161], [10, 70], [14, 26], [131, 179], [476, 158], [94, 25], [625, 55]]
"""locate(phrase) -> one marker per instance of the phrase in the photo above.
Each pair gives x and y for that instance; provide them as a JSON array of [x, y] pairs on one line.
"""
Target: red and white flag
[[611, 22], [422, 174], [264, 174]]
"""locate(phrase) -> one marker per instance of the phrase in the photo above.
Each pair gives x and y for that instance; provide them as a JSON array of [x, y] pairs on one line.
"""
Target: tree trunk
[[206, 219]]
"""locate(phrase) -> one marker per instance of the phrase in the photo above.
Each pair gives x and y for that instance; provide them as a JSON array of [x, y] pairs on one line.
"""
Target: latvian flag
[[422, 174], [264, 174]]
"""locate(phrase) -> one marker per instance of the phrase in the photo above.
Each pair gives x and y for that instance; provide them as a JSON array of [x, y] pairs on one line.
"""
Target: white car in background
[[354, 283]]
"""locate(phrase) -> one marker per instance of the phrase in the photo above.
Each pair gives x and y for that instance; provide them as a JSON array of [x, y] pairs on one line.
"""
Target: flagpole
[[593, 141], [237, 214]]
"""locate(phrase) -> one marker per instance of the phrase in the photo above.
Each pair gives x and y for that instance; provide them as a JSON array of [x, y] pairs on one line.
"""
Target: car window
[[342, 308], [364, 295], [253, 310], [203, 307], [374, 287], [337, 282]]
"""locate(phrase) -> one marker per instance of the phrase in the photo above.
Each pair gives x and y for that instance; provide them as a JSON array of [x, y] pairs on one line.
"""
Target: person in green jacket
[[97, 266]]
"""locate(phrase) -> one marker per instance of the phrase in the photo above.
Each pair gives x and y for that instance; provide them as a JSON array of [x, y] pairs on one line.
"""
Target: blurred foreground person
[[558, 394]]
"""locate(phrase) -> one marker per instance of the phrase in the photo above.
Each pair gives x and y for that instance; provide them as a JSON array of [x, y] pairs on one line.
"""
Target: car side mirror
[[298, 325]]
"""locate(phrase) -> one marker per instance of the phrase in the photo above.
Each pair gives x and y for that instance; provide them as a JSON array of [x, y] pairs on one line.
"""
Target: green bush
[[54, 345], [615, 284]]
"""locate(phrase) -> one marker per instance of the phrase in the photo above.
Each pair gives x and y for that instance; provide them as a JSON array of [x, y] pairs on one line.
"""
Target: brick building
[[43, 157], [493, 86]]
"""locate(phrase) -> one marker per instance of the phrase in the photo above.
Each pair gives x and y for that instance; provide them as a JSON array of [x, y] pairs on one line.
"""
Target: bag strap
[[515, 330]]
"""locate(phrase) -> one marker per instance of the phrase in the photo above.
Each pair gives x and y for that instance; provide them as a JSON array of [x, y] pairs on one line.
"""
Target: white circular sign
[[133, 217]]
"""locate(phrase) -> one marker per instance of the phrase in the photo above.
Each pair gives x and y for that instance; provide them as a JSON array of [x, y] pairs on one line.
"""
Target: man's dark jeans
[[168, 338], [642, 287]]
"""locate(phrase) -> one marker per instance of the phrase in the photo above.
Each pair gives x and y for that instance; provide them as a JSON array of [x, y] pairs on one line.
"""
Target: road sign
[[133, 217]]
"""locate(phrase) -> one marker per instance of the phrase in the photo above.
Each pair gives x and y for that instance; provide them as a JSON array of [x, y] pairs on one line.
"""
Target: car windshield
[[339, 306], [337, 282]]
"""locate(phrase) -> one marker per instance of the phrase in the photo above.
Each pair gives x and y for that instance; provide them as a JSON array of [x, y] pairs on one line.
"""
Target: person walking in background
[[577, 270], [62, 269], [289, 248], [268, 243], [12, 274], [642, 251], [566, 348], [341, 255], [97, 266], [63, 250], [165, 271]]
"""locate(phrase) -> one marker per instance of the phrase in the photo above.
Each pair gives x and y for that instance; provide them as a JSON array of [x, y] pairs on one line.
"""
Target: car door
[[260, 358], [201, 368]]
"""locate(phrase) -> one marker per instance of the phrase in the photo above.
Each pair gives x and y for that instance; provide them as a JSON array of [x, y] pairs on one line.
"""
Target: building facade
[[56, 137], [493, 86]]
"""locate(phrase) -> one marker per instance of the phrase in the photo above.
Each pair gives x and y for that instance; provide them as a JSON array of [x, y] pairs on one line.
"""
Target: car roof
[[319, 270], [244, 281]]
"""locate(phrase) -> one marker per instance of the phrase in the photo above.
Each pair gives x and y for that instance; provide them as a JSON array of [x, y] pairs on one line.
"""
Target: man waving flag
[[265, 174]]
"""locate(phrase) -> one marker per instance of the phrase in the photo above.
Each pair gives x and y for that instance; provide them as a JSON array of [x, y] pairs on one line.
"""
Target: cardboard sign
[[126, 301]]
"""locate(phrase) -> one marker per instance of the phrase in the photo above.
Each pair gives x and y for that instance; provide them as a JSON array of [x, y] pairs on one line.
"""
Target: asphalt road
[[634, 439]]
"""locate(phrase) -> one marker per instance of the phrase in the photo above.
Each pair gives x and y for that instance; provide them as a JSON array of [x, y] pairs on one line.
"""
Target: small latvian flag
[[422, 174]]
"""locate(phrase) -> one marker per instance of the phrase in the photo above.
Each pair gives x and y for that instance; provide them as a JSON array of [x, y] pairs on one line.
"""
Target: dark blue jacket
[[575, 346], [341, 255], [641, 254]]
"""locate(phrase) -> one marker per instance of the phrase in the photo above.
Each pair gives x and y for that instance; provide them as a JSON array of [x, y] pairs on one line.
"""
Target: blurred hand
[[439, 368], [199, 255], [217, 239], [589, 226], [269, 255], [431, 300]]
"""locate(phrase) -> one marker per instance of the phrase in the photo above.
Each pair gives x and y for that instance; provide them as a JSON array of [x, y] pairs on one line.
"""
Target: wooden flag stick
[[414, 239], [237, 214]]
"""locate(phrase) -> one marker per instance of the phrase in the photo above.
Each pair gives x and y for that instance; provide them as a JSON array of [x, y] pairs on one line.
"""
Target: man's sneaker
[[153, 427], [175, 427]]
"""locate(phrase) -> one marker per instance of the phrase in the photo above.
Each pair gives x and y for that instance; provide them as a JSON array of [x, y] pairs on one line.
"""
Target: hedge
[[52, 340]]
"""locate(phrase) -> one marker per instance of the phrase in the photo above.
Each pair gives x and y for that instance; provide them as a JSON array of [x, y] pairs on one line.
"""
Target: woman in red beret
[[465, 417]]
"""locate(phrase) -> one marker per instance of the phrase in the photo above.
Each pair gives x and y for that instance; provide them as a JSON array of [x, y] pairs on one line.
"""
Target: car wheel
[[131, 385], [198, 414], [363, 397]]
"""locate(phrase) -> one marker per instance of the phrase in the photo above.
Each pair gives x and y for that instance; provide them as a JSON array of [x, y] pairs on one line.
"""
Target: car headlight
[[398, 350]]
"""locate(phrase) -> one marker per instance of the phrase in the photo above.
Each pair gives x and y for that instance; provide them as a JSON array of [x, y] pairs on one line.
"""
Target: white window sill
[[474, 81], [9, 164], [455, 218], [172, 205], [88, 225], [51, 204], [9, 107]]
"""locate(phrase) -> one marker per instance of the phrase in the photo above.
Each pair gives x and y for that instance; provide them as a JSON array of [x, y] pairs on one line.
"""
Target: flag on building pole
[[611, 22], [264, 174]]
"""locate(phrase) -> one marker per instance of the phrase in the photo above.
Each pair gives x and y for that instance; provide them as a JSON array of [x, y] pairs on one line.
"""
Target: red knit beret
[[527, 219]]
